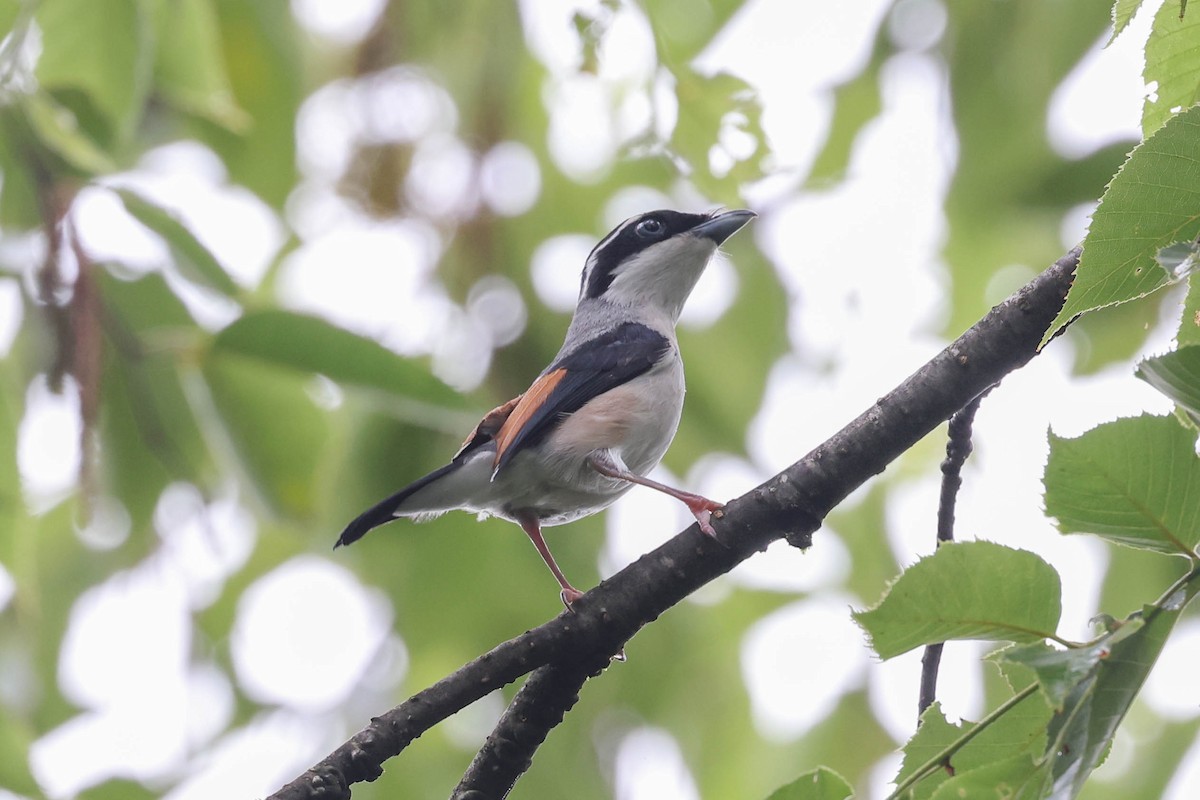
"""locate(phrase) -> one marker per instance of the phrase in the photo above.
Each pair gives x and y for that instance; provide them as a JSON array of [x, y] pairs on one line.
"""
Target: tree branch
[[790, 505], [549, 694]]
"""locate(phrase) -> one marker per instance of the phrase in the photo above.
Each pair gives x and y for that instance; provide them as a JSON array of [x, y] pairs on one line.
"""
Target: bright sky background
[[149, 708]]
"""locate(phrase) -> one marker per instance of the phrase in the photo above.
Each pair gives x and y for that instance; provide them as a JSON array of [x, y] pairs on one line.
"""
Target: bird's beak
[[722, 226]]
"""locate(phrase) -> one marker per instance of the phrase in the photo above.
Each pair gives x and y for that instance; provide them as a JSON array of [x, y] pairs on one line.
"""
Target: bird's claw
[[703, 509], [569, 595]]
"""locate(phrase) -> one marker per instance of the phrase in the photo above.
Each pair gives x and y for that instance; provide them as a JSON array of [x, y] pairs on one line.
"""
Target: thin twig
[[958, 450]]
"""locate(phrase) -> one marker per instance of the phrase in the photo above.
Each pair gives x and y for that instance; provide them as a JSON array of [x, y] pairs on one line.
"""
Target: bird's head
[[656, 258]]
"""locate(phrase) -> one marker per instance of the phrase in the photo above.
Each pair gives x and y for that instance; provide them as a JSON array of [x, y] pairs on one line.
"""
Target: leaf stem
[[1183, 582]]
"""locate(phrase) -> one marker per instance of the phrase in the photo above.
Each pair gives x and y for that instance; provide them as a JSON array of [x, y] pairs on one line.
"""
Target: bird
[[602, 414]]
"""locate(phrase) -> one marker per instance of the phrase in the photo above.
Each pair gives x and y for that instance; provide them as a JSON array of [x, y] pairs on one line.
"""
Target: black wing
[[598, 366]]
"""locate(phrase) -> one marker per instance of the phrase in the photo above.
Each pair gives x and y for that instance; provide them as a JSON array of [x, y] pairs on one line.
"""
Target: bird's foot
[[702, 509], [569, 595]]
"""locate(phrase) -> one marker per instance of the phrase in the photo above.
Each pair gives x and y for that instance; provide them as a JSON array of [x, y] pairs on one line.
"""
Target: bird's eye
[[649, 228]]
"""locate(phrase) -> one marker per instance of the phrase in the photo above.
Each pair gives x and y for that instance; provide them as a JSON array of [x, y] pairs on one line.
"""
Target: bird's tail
[[392, 507]]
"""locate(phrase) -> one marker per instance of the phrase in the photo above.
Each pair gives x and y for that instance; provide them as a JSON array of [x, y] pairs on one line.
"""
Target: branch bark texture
[[791, 505], [545, 698]]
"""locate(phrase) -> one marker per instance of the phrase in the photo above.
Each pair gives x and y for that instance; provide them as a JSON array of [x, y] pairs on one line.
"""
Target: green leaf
[[57, 129], [1177, 375], [1133, 481], [821, 783], [1012, 738], [12, 504], [934, 735], [856, 102], [1083, 731], [682, 30], [1007, 777], [1059, 672], [261, 49], [195, 261], [707, 105], [120, 789], [309, 344], [103, 50], [146, 307], [1173, 62], [1000, 209], [275, 429], [592, 28], [1122, 14], [966, 590], [16, 735], [18, 188], [190, 71], [1152, 202], [9, 14], [150, 435]]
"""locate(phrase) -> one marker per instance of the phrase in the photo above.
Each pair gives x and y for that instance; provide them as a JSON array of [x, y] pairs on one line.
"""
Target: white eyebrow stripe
[[590, 266], [613, 234]]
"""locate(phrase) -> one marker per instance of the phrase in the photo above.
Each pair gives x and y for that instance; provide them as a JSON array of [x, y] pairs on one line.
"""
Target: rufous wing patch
[[527, 405], [489, 426]]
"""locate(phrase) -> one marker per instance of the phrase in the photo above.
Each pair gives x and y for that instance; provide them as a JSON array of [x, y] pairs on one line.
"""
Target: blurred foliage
[[245, 406], [820, 784]]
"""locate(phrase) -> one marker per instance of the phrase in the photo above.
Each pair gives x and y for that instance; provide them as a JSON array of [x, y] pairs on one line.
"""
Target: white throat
[[663, 275]]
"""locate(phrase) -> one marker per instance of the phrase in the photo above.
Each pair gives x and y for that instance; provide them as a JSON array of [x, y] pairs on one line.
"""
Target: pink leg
[[701, 507], [529, 523]]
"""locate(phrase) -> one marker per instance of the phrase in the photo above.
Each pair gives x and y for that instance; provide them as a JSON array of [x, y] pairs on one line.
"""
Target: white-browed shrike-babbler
[[603, 413]]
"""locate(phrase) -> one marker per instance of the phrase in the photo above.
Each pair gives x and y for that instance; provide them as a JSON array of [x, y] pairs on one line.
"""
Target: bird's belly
[[556, 503], [637, 421]]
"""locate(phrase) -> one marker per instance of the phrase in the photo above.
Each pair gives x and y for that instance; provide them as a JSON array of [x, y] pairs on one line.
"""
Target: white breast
[[636, 420]]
